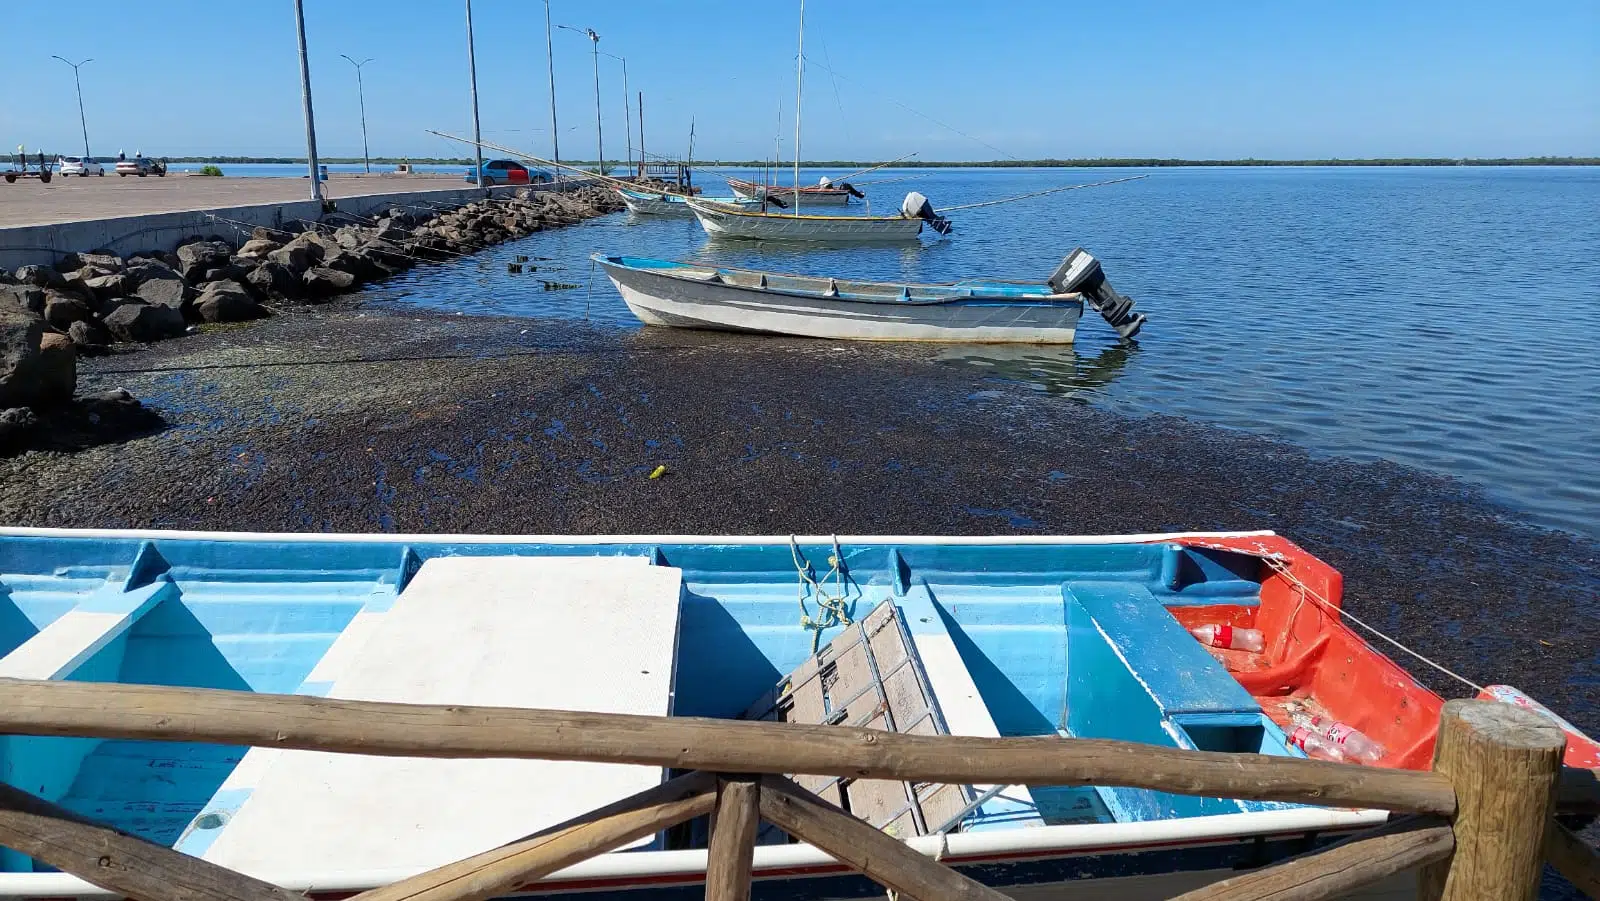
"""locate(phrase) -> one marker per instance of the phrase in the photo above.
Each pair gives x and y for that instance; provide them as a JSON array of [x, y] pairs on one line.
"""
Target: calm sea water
[[1444, 318]]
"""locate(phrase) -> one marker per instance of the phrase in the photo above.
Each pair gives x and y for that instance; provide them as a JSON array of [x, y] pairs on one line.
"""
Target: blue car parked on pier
[[509, 172]]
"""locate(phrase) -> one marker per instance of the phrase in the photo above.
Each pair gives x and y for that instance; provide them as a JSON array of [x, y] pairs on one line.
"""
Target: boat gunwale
[[1035, 300], [815, 190], [695, 203]]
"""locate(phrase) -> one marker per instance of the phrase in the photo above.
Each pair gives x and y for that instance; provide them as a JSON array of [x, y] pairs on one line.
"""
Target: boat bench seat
[[61, 647], [1180, 675], [570, 633]]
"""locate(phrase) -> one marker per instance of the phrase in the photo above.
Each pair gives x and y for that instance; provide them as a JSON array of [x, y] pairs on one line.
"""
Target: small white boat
[[663, 204], [824, 193], [686, 295], [722, 221]]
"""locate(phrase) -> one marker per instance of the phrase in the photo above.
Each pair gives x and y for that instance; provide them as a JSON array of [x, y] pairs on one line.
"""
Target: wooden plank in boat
[[904, 693], [574, 633], [877, 801], [852, 676]]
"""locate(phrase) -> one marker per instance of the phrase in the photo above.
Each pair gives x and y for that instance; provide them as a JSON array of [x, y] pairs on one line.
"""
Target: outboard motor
[[852, 189], [917, 206], [824, 182], [1081, 272]]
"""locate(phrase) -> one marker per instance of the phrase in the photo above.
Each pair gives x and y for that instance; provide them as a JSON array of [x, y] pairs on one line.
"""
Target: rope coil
[[832, 609]]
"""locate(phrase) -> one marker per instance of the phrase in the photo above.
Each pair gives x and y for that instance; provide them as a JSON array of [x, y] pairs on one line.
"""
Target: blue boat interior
[[1060, 639], [847, 289]]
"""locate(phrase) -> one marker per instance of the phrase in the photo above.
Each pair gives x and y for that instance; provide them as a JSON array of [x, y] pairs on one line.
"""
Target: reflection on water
[[1052, 369]]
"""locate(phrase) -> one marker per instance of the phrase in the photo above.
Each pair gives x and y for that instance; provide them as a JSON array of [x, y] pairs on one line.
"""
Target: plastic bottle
[[1230, 637], [1352, 741], [1315, 746]]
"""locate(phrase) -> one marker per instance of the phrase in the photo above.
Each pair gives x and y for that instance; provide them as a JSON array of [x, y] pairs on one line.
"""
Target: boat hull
[[665, 301], [809, 196], [728, 223], [645, 205]]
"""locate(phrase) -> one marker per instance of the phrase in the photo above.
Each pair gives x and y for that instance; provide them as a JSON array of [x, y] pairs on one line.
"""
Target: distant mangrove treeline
[[1107, 162]]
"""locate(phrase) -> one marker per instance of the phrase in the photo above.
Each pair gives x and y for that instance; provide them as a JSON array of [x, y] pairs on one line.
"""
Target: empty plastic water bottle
[[1352, 741], [1315, 746], [1230, 637]]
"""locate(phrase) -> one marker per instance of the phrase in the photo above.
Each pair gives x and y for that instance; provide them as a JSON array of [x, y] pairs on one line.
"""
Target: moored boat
[[1052, 637], [979, 311], [667, 204], [722, 221], [824, 193]]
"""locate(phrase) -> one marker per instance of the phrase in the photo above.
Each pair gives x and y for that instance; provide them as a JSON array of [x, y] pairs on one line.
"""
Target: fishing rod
[[972, 206]]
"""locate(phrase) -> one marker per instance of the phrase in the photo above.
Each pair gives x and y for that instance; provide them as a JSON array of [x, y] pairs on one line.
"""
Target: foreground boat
[[664, 204], [1068, 637], [823, 194], [688, 295]]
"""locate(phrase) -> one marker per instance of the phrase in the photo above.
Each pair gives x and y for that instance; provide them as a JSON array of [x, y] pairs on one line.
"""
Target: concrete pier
[[39, 223]]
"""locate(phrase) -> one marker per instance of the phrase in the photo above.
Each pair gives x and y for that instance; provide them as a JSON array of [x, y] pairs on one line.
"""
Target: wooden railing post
[[1504, 762], [733, 838]]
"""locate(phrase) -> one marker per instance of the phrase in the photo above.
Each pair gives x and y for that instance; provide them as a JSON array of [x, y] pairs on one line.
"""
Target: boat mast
[[799, 85]]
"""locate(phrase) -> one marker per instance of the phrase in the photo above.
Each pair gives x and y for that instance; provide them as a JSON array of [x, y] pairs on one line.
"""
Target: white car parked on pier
[[79, 165]]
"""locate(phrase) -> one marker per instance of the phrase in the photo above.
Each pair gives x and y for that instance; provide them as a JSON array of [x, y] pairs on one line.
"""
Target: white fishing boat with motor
[[723, 221], [690, 295], [651, 203], [823, 193]]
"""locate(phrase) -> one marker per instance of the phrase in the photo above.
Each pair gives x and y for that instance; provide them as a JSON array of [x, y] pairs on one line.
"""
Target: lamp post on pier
[[82, 122], [599, 134], [627, 111], [550, 62], [361, 95], [305, 97], [472, 72]]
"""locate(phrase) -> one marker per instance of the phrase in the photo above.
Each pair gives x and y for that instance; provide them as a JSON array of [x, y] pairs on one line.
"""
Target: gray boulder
[[90, 337], [297, 255], [143, 323], [159, 285], [20, 333], [227, 302], [105, 287], [16, 424], [26, 298], [62, 310], [41, 276], [195, 259], [58, 370], [323, 282], [273, 280], [258, 248], [109, 262]]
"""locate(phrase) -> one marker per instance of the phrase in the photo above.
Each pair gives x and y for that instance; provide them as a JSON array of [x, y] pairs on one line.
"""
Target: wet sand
[[476, 424]]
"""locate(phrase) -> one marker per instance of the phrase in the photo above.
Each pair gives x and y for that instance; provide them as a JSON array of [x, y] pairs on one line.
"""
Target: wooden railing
[[1479, 824]]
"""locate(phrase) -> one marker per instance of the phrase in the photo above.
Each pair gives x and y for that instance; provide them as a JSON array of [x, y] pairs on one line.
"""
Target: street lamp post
[[550, 61], [84, 123], [627, 111], [599, 134], [472, 72], [361, 95], [305, 96]]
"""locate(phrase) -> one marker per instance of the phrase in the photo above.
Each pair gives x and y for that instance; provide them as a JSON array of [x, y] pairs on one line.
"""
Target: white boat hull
[[724, 223], [661, 300], [654, 206], [807, 199]]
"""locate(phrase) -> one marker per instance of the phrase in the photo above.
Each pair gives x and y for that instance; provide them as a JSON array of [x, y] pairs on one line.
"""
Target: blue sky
[[1019, 79]]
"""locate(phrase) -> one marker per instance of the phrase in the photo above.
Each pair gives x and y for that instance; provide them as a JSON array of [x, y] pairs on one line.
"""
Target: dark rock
[[351, 236], [297, 256], [322, 282], [357, 265], [69, 262], [105, 287], [142, 322], [16, 427], [390, 255], [159, 285], [41, 276], [389, 230], [57, 372], [26, 298], [20, 333], [195, 259], [258, 248], [227, 302], [228, 273], [62, 310], [274, 280], [90, 336]]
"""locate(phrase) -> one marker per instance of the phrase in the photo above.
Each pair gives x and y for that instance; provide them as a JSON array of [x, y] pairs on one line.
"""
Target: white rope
[[1276, 563], [1094, 184]]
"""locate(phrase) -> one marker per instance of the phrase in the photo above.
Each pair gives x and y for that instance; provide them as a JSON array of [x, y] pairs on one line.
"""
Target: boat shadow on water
[[1059, 370]]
